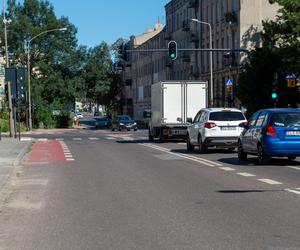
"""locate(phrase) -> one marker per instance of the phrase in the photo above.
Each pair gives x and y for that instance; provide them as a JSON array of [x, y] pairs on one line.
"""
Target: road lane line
[[292, 191], [269, 181], [177, 154], [93, 138], [70, 159], [293, 167], [77, 139], [245, 174], [59, 139], [227, 168], [190, 156], [42, 139]]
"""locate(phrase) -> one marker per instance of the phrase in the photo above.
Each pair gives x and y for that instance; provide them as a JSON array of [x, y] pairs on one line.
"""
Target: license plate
[[293, 133], [178, 132], [228, 128]]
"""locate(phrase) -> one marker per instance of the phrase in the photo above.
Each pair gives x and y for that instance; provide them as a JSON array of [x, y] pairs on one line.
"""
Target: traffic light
[[274, 95], [172, 50]]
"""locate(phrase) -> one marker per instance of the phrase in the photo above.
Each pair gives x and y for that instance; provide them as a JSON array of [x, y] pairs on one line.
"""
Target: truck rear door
[[172, 103]]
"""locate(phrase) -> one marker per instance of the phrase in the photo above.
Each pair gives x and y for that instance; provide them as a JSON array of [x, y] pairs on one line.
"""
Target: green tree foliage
[[279, 55], [61, 71]]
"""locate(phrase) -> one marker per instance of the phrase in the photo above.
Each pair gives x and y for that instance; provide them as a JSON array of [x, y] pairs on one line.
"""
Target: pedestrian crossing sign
[[229, 82]]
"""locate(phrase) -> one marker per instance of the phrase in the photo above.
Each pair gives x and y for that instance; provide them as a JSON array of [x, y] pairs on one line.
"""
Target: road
[[98, 189]]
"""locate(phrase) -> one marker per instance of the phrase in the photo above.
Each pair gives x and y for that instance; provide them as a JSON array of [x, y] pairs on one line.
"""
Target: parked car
[[123, 122], [269, 133], [215, 127], [102, 122]]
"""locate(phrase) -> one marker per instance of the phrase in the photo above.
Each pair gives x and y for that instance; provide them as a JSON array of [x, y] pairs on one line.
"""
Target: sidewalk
[[11, 153]]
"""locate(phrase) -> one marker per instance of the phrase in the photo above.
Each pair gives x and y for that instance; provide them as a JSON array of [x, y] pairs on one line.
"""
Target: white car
[[78, 115], [215, 127]]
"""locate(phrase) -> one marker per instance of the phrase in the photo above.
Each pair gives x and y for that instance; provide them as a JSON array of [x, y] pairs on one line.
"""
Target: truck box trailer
[[173, 105]]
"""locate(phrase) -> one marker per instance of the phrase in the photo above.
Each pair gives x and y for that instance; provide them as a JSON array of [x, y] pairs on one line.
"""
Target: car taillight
[[271, 131], [209, 125]]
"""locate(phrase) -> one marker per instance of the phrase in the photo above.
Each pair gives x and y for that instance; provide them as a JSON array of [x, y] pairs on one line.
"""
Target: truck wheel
[[201, 145], [150, 137], [161, 136], [189, 146]]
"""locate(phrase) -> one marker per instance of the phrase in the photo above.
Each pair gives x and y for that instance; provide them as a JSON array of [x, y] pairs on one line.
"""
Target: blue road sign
[[290, 77], [229, 82]]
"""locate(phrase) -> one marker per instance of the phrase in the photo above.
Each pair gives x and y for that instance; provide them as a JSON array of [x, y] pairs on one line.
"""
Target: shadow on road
[[238, 191]]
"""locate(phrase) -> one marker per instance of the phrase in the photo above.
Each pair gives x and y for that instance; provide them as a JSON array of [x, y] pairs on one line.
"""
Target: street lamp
[[211, 61], [28, 70]]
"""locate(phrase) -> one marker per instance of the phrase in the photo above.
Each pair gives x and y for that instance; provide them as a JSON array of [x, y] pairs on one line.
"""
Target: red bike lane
[[46, 152]]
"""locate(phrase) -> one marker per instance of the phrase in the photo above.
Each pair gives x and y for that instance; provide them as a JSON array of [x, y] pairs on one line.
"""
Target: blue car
[[271, 132]]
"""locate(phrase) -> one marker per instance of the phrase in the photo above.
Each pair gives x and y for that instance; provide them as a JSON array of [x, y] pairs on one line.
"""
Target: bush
[[44, 115], [63, 120], [4, 125]]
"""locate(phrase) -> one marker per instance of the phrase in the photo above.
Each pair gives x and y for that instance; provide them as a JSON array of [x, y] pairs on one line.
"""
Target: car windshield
[[124, 118], [286, 119], [226, 116]]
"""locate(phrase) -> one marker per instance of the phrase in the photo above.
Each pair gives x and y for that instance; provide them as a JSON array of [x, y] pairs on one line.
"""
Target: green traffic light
[[274, 95], [172, 56]]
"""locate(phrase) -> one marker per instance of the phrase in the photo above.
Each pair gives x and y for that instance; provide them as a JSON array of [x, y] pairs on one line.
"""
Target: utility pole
[[10, 106]]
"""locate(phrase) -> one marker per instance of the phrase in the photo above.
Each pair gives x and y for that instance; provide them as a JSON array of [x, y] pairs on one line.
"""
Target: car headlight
[[122, 124], [134, 123]]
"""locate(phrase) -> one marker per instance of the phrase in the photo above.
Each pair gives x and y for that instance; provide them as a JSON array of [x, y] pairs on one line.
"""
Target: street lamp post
[[211, 60], [28, 70], [10, 106]]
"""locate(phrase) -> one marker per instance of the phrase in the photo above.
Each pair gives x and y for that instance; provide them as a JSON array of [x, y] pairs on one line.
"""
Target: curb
[[5, 188], [20, 156]]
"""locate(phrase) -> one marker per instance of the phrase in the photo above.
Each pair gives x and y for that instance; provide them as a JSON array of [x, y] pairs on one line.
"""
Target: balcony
[[186, 26]]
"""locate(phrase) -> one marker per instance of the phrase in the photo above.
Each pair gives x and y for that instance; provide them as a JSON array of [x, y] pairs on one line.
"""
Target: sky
[[107, 20]]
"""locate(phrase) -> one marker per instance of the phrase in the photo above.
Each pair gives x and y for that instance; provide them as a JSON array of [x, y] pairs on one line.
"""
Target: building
[[235, 24]]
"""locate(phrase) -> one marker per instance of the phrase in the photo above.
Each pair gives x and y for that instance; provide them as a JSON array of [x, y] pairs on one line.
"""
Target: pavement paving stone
[[11, 153]]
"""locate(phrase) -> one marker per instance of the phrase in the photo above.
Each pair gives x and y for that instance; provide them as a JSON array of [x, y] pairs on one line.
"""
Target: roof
[[283, 110]]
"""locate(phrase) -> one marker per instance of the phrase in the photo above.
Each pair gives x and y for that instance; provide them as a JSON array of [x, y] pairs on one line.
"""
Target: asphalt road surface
[[98, 189]]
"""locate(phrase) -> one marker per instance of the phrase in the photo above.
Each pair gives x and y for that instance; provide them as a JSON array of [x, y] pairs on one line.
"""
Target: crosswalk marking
[[245, 174], [93, 138], [227, 169]]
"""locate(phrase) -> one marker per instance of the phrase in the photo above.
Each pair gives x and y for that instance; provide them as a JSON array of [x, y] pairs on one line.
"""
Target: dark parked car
[[102, 122], [271, 132], [123, 122]]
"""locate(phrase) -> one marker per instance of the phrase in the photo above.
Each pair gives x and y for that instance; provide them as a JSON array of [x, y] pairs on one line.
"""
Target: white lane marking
[[179, 154], [181, 143], [190, 156], [227, 168], [269, 181], [110, 138], [77, 139], [127, 138], [293, 167], [292, 191], [42, 139], [93, 138], [67, 153], [27, 139], [59, 139], [245, 174]]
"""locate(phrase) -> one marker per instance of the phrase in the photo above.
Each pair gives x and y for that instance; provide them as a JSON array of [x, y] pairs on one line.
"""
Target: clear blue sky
[[107, 20]]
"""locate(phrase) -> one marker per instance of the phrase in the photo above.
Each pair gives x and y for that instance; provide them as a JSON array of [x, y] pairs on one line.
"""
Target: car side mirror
[[189, 120], [244, 125]]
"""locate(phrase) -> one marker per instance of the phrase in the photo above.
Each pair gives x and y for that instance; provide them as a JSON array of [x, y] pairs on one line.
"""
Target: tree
[[279, 56]]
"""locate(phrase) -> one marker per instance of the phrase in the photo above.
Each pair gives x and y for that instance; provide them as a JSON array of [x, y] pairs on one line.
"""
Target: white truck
[[173, 106]]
